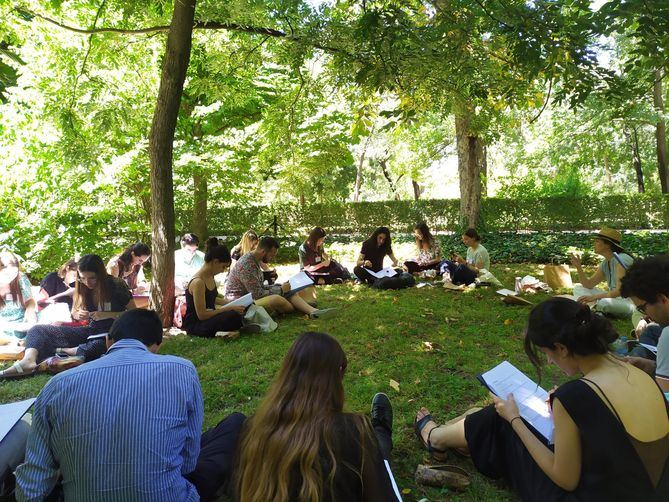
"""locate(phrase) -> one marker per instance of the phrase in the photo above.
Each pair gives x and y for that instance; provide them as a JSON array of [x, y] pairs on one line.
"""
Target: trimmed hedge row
[[504, 247], [638, 211]]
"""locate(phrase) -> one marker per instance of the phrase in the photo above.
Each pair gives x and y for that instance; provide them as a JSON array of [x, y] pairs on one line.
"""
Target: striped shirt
[[123, 428]]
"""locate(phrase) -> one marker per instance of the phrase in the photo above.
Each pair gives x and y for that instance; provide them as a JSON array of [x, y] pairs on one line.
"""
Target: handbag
[[558, 276], [258, 315]]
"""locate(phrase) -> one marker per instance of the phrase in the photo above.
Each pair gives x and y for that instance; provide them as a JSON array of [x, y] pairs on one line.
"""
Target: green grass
[[383, 334]]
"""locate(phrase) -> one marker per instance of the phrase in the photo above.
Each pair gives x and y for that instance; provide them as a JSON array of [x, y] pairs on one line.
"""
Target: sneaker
[[323, 313], [382, 412], [227, 335]]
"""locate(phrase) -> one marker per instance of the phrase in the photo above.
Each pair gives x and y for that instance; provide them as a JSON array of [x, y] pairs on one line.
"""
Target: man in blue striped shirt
[[126, 427]]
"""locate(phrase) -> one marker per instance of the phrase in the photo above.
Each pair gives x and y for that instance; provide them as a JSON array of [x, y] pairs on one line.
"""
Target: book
[[299, 281], [384, 272], [11, 413], [532, 400], [242, 301]]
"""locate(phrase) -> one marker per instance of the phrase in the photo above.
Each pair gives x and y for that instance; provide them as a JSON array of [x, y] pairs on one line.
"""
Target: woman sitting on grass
[[372, 253], [58, 287], [317, 264], [98, 299], [203, 318], [429, 251], [17, 306], [248, 243], [604, 448], [301, 445], [465, 271]]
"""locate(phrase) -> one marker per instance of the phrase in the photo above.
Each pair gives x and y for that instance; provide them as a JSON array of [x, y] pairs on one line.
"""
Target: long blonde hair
[[294, 425], [248, 242]]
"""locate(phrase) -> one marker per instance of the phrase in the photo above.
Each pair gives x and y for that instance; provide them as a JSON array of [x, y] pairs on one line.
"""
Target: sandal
[[419, 425], [19, 372]]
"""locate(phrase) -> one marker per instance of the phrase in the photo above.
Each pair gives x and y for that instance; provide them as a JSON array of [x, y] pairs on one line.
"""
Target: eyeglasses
[[642, 308]]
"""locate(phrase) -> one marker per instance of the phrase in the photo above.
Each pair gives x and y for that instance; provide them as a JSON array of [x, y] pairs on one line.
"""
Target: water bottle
[[518, 287], [620, 346]]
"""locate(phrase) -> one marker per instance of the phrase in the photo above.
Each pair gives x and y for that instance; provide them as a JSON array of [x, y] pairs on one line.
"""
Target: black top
[[118, 298], [190, 318], [374, 254], [356, 479], [615, 465], [309, 256], [54, 285]]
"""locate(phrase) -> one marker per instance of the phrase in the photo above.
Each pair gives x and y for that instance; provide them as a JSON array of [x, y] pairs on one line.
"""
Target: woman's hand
[[367, 263], [285, 287], [99, 316], [508, 409], [81, 315], [235, 308], [459, 259], [575, 261]]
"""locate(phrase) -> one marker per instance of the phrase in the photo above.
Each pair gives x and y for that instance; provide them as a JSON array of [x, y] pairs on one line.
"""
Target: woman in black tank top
[[604, 449], [203, 317]]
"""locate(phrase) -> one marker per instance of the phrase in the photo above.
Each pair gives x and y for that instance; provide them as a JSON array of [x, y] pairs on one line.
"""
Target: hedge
[[638, 211]]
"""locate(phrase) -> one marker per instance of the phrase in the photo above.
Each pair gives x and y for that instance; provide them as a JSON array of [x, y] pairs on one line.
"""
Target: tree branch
[[199, 25]]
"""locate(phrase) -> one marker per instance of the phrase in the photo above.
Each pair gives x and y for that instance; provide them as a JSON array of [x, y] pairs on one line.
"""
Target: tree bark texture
[[361, 164], [200, 190], [175, 64], [661, 134], [416, 189], [471, 167], [633, 139]]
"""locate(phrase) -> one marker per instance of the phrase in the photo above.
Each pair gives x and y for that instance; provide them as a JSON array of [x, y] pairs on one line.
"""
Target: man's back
[[123, 428]]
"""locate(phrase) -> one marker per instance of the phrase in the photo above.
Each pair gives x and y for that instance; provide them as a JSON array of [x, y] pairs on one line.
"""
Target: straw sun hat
[[611, 236]]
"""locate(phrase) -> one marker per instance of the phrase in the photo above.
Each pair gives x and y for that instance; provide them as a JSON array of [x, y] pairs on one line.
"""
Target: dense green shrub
[[503, 215]]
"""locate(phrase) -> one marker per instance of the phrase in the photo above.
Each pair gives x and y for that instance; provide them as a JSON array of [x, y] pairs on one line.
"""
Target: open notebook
[[532, 400]]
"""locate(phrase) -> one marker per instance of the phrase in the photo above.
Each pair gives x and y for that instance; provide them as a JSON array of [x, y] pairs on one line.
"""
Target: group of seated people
[[300, 442]]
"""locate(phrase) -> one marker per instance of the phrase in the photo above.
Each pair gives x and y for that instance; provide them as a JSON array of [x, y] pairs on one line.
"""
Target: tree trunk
[[471, 166], [358, 174], [607, 169], [175, 64], [200, 190], [416, 189], [661, 134], [384, 169], [633, 140]]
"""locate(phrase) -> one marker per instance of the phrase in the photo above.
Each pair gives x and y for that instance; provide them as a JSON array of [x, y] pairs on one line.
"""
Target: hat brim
[[611, 241]]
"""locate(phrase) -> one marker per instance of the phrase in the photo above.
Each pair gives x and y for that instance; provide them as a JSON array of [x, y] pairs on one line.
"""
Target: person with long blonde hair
[[17, 305], [248, 243], [301, 445]]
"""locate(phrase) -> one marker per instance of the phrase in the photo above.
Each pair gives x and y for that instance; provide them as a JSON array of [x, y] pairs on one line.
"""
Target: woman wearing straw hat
[[612, 270]]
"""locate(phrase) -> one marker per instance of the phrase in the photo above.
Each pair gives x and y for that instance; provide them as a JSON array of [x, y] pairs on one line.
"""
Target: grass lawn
[[385, 335]]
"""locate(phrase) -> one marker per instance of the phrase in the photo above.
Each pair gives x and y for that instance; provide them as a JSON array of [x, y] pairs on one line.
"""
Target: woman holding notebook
[[372, 254], [604, 448], [206, 313]]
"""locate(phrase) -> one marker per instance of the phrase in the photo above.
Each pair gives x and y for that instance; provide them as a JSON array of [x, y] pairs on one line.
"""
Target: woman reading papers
[[374, 250], [603, 450]]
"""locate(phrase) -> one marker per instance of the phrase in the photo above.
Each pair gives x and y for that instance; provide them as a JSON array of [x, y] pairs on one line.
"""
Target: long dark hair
[[387, 246], [574, 325], [8, 259], [316, 234], [294, 425], [84, 295], [425, 232], [125, 259]]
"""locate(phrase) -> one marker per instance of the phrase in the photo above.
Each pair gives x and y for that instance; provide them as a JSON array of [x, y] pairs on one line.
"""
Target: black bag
[[399, 281]]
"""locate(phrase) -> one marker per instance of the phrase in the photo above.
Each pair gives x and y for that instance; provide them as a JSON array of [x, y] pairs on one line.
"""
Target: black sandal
[[419, 425]]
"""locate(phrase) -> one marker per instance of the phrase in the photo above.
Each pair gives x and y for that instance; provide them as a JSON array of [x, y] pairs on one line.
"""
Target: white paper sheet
[[384, 272], [300, 281], [11, 413], [242, 301], [506, 292], [505, 379]]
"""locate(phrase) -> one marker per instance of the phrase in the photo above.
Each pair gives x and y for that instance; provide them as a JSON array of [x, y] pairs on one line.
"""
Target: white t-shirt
[[478, 255]]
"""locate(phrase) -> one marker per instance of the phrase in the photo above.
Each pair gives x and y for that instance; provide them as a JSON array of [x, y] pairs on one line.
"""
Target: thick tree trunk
[[471, 167], [200, 191], [175, 64], [661, 134], [633, 140], [416, 189]]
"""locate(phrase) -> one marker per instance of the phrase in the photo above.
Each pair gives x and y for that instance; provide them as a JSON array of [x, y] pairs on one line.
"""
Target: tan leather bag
[[558, 276]]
